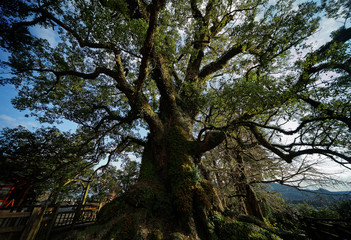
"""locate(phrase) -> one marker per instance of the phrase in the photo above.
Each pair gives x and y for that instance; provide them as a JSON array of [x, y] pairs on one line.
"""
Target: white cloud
[[7, 118], [326, 27], [46, 33], [8, 121]]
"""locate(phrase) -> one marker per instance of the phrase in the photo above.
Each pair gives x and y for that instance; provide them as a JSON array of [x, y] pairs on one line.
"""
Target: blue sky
[[11, 117]]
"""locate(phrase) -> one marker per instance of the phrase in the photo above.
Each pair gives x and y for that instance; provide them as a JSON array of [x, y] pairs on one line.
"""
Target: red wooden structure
[[5, 193], [13, 194]]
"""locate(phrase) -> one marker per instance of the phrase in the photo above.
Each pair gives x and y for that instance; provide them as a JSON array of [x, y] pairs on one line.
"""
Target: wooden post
[[77, 214], [33, 224], [86, 193], [52, 222], [80, 206]]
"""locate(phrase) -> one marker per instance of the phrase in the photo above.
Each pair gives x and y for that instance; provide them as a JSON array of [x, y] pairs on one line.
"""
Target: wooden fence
[[12, 224], [327, 229], [36, 223]]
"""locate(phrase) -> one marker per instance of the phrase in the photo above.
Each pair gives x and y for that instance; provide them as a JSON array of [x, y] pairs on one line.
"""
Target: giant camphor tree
[[188, 72]]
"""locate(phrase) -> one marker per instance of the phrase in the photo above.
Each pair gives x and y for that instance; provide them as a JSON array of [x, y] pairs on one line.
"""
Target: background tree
[[45, 159], [240, 179], [115, 181], [188, 72]]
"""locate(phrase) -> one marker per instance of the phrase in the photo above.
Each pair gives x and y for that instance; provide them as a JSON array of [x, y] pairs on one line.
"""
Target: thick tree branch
[[33, 22], [293, 154], [341, 36], [261, 139], [298, 128], [165, 85], [201, 41], [330, 113], [137, 102], [221, 61], [211, 140], [147, 49], [82, 42]]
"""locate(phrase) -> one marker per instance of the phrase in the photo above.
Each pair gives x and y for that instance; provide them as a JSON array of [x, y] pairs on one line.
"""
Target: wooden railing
[[88, 213], [64, 218], [18, 224], [13, 223], [38, 222]]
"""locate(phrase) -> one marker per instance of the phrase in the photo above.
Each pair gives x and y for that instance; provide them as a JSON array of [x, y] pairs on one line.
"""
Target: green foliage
[[176, 236], [337, 9], [343, 208], [226, 228], [45, 159], [113, 181], [218, 219], [196, 174], [240, 230], [309, 211]]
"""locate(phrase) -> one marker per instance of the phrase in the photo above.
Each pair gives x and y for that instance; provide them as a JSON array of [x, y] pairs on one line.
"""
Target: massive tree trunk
[[171, 198], [171, 164]]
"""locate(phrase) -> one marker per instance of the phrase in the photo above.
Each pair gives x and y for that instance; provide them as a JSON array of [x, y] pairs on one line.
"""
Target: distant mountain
[[318, 198]]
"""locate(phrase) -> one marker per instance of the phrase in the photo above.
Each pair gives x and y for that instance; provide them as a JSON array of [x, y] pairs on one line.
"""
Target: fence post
[[81, 205], [77, 214], [53, 220], [33, 224]]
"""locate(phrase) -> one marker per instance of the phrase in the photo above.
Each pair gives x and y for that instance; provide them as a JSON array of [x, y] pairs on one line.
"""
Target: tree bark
[[171, 163], [248, 200], [171, 197]]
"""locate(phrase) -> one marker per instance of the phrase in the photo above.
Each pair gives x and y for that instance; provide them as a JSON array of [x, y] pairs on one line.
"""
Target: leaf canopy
[[121, 66]]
